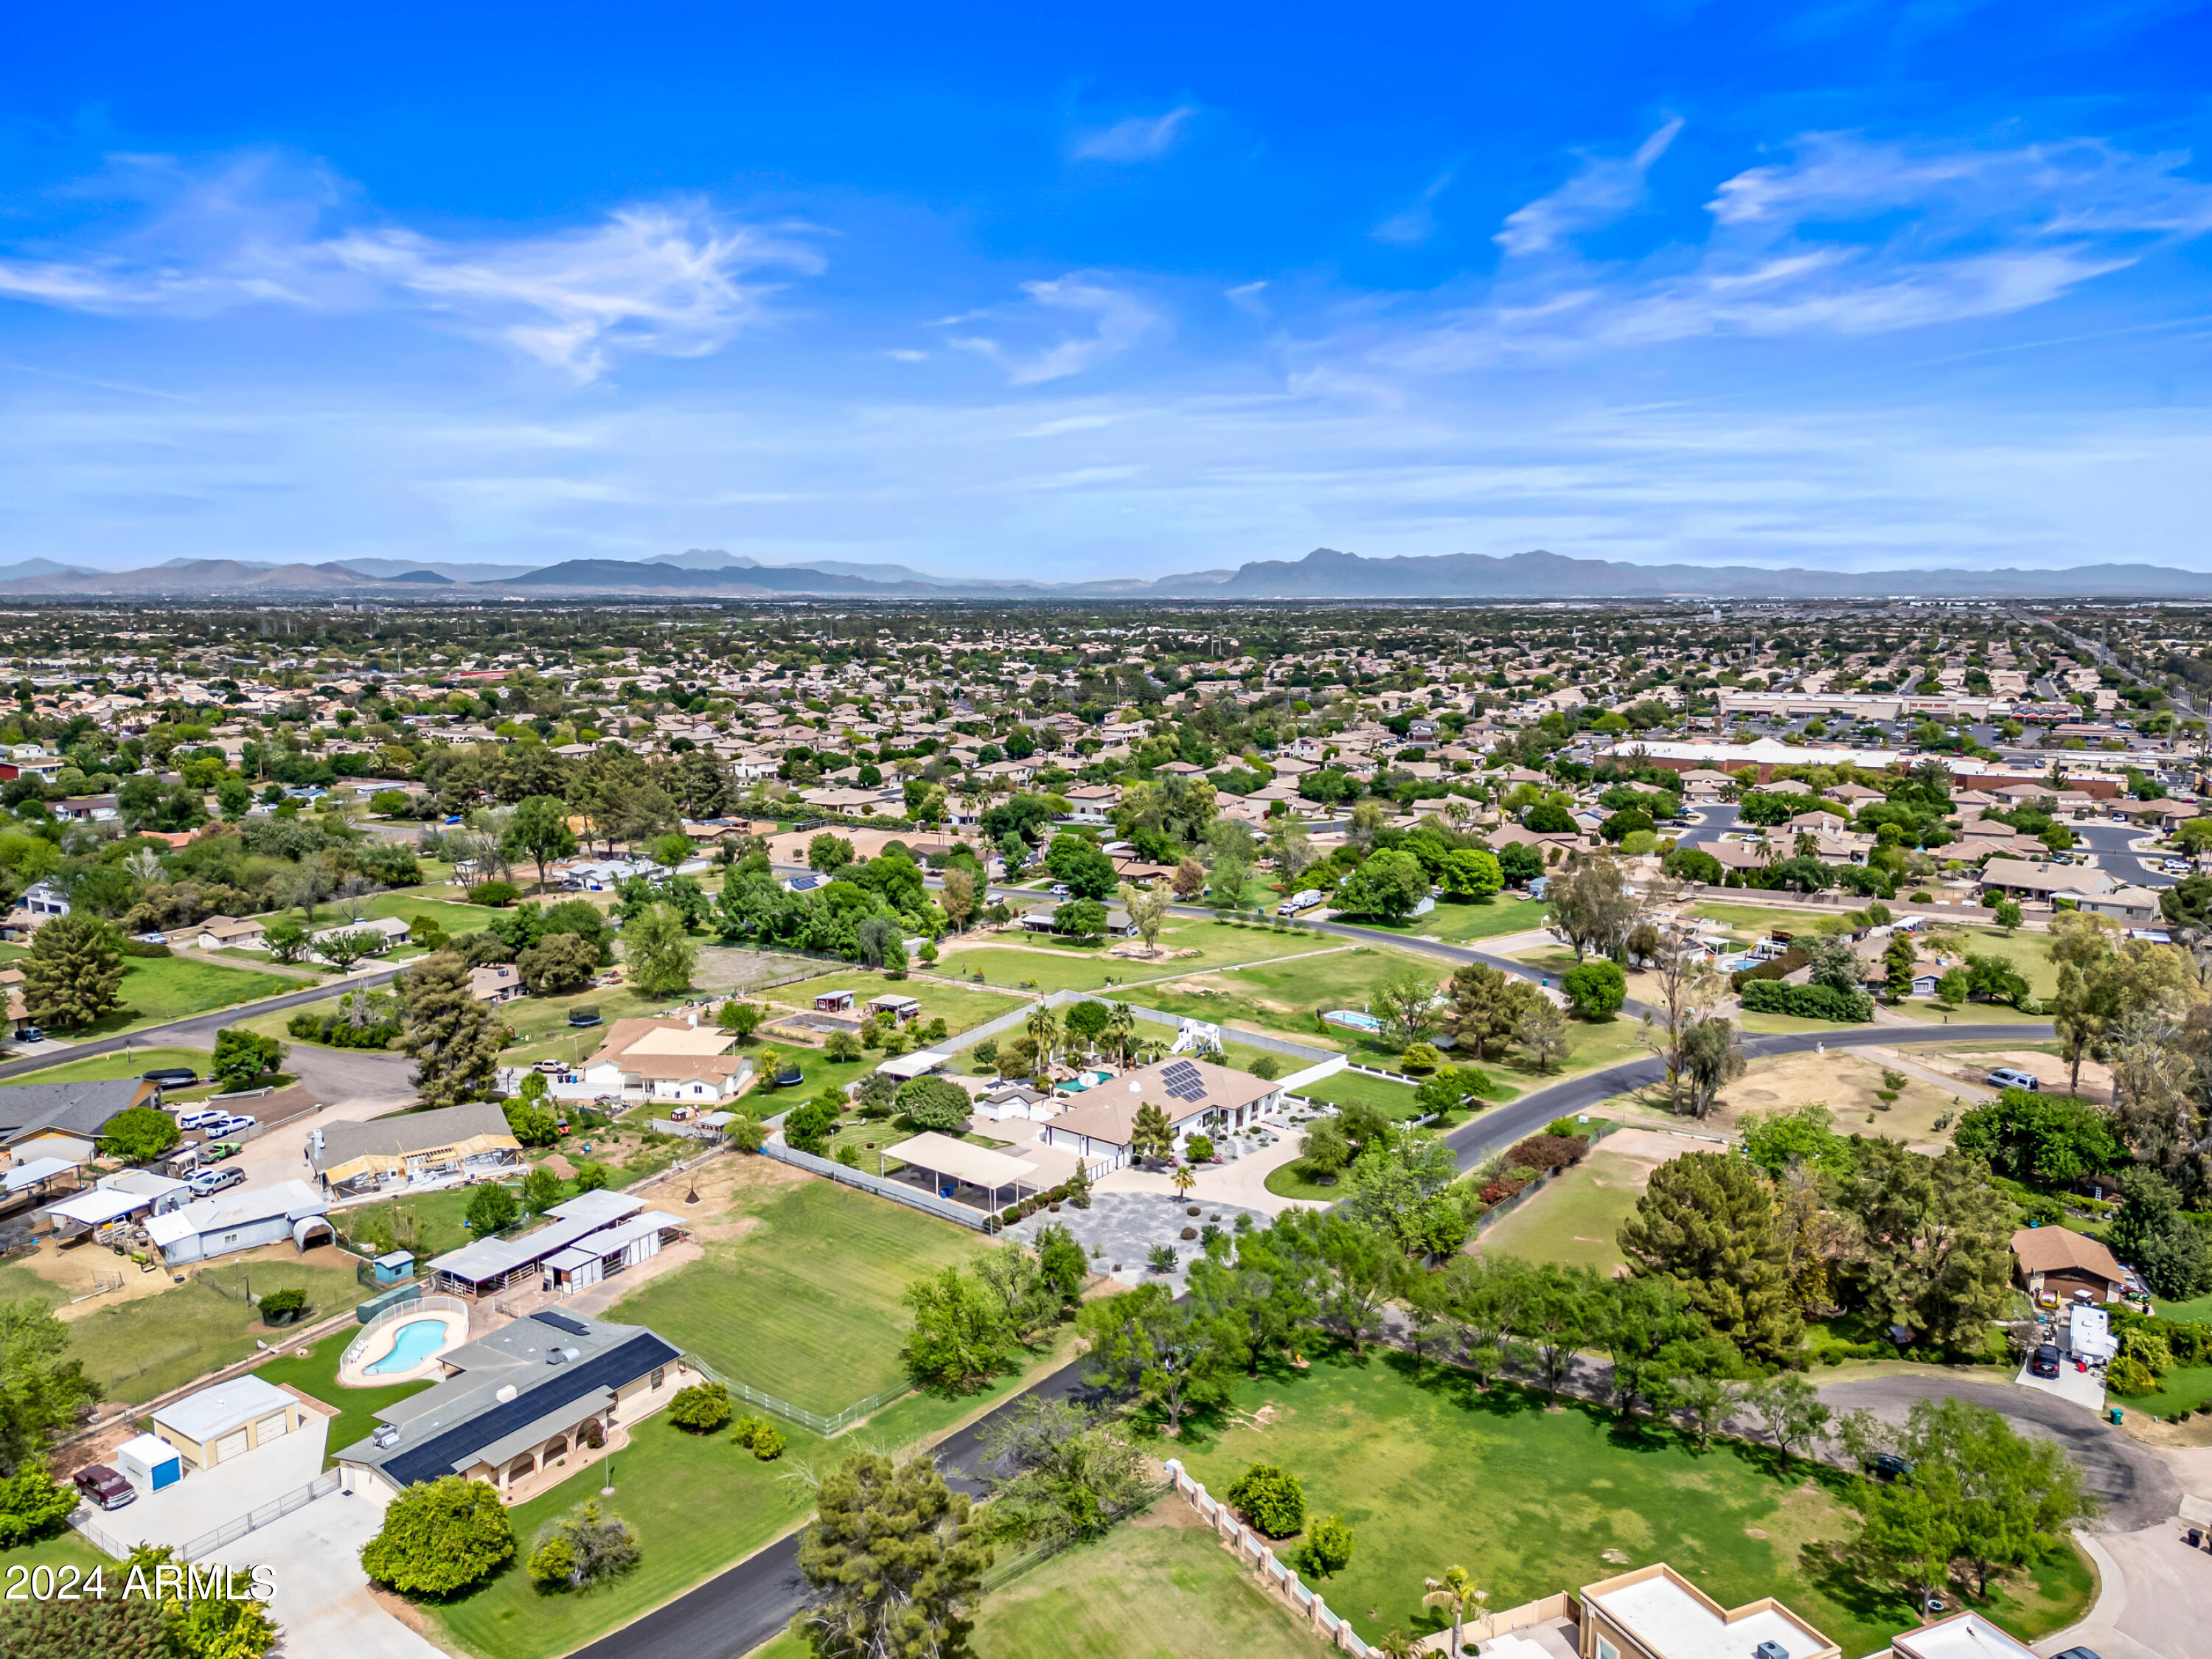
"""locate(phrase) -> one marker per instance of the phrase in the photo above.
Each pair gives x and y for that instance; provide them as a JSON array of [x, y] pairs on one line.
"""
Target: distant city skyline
[[1013, 296]]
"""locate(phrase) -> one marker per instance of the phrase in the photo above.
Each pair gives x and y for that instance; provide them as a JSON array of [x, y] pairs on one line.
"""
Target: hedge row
[[1768, 996]]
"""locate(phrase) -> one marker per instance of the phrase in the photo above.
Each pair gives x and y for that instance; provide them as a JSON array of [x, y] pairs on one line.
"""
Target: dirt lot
[[1846, 1083], [1972, 1066]]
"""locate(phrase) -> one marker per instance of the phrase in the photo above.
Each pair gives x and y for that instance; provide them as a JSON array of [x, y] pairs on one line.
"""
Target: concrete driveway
[[2155, 1600], [322, 1598], [207, 1498], [2082, 1389]]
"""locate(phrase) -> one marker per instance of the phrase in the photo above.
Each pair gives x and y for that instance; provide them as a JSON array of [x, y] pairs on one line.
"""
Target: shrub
[[141, 947], [2130, 1377], [1270, 1499], [1329, 1546], [1199, 1150], [1547, 1152], [440, 1536], [1423, 1057], [283, 1307], [759, 1436], [494, 893], [584, 1547], [1267, 1068], [702, 1408], [1564, 1126], [841, 1047], [1770, 996]]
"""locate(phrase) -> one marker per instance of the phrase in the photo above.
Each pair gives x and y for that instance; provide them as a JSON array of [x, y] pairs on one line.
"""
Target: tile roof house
[[1196, 1096]]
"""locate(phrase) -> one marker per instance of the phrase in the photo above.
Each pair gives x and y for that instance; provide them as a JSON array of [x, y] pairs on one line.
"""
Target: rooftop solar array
[[561, 1321], [1183, 1081]]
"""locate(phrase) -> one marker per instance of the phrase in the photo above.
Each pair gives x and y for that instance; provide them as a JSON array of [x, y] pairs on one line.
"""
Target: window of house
[[1606, 1649], [657, 1372]]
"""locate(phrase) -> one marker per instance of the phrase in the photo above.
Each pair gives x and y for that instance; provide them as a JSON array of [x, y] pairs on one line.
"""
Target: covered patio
[[967, 1174]]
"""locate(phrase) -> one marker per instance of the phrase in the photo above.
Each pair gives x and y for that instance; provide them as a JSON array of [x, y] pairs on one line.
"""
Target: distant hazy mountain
[[401, 569], [1323, 574]]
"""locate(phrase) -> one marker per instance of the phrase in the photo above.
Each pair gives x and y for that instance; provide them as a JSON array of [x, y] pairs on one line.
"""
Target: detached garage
[[228, 1420]]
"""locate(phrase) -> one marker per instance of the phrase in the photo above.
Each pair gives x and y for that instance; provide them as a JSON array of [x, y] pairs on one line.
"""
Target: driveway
[[2139, 1488], [353, 1086], [2077, 1387], [322, 1598], [207, 1498], [2155, 1600]]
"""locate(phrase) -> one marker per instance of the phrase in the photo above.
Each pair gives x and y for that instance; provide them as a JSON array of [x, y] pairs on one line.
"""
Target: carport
[[968, 1174]]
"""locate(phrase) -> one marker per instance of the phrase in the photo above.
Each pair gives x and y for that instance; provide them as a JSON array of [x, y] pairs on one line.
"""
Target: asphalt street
[[2109, 841]]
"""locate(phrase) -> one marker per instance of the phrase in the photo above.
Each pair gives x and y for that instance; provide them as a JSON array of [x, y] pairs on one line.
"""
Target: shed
[[149, 1462], [918, 1064], [896, 1005], [240, 1219], [37, 1172], [396, 1268], [833, 1002], [227, 1421]]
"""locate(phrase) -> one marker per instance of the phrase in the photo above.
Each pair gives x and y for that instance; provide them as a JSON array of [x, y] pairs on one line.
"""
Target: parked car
[[552, 1067], [1888, 1466], [200, 1117], [2076, 1653], [172, 1077], [214, 1180], [2045, 1362], [2006, 1078], [2175, 866], [229, 1124], [104, 1488], [215, 1151], [31, 1034]]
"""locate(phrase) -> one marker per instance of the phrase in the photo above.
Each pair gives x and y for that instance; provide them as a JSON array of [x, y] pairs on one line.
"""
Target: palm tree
[[1121, 1027], [1456, 1590], [1183, 1180], [1044, 1031], [1398, 1645]]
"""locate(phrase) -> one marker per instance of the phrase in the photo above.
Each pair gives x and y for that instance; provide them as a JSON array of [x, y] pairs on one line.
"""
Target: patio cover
[[979, 1166], [31, 1174], [100, 1206], [910, 1066]]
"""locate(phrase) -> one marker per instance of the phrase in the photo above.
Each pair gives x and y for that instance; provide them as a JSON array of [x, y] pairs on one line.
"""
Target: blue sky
[[1071, 293]]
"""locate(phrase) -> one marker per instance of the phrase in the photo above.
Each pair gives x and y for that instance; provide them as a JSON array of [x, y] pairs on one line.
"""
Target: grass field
[[960, 1006], [1429, 1472], [754, 1309], [1066, 968], [158, 989], [66, 1548], [138, 1062], [698, 1503], [1156, 1587], [317, 1374], [1574, 1218], [2182, 1390], [2199, 1311], [135, 1350], [1394, 1100]]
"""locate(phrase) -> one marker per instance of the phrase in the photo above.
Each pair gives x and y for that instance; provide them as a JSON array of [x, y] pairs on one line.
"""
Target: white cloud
[[1604, 189], [1418, 222], [1138, 138], [1118, 320], [665, 280]]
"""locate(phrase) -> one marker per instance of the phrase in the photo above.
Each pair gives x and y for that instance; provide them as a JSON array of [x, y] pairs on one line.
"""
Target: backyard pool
[[417, 1340], [1352, 1018]]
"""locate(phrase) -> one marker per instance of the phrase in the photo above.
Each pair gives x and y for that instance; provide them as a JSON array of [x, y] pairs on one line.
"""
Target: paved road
[[2138, 1488], [2110, 844], [193, 1028]]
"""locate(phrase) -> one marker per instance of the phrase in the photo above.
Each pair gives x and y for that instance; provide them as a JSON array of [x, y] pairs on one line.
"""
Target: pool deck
[[356, 1373]]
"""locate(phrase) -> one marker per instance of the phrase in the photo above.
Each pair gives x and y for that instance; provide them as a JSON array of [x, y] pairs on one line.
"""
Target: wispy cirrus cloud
[[1136, 137], [1418, 222], [1117, 319], [665, 279], [1602, 189], [1846, 237]]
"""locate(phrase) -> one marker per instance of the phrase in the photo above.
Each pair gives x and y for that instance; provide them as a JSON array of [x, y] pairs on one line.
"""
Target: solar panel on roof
[[561, 1321]]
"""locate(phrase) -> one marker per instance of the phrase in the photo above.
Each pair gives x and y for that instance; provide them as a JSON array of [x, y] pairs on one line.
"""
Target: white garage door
[[230, 1446], [270, 1427]]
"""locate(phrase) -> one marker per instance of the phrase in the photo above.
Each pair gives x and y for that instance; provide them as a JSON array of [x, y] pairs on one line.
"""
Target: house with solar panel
[[513, 1405], [1199, 1098]]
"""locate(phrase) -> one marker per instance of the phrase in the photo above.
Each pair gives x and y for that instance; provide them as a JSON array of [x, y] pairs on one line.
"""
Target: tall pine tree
[[1707, 1221], [452, 1038]]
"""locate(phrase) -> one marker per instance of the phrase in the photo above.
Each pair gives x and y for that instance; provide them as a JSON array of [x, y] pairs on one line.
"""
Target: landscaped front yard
[[1431, 1472]]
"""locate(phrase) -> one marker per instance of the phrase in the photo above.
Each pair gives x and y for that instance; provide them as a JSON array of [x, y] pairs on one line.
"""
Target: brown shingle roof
[[2057, 1249]]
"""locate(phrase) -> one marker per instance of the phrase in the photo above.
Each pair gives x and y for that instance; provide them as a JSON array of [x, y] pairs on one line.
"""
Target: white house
[[240, 1219]]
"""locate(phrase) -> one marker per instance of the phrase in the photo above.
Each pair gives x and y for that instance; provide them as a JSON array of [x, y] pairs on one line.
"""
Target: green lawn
[[1775, 1024], [1429, 1472], [65, 1547], [428, 1224], [1968, 1013], [135, 1063], [960, 1006], [1458, 923], [1074, 968], [1042, 970], [1394, 1100], [1149, 1589], [1574, 1218], [755, 1307], [698, 1503], [317, 1374], [2199, 1311], [2182, 1390], [135, 1350], [158, 989]]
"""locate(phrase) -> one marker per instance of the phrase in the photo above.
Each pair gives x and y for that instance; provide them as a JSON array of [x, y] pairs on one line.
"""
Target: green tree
[[32, 1504], [1788, 1406], [541, 1190], [659, 954], [1898, 963], [1171, 1355], [960, 1338], [492, 1207], [74, 973], [829, 853], [1707, 1221], [740, 1019], [1597, 989], [1387, 886], [41, 1388], [1270, 1499], [453, 1039], [285, 937], [1064, 1477], [243, 1058], [583, 1547], [138, 1135], [1150, 1137], [1930, 1239], [934, 1103], [558, 964], [2170, 1251], [440, 1536], [894, 1559], [1061, 1261], [1406, 1001], [1329, 1546]]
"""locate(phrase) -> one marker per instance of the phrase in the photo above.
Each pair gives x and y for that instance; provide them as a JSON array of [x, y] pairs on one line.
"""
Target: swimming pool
[[417, 1340], [1352, 1018]]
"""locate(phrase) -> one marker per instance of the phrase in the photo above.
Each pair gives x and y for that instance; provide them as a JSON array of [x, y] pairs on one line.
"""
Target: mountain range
[[1323, 574]]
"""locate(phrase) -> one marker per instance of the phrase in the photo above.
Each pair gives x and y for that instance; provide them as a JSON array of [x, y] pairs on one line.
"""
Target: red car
[[104, 1488]]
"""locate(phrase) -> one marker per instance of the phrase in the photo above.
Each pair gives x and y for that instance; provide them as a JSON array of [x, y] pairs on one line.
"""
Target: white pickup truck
[[1298, 903]]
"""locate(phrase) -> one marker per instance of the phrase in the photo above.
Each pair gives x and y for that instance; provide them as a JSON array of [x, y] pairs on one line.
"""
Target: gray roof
[[74, 1107], [493, 1258], [410, 1131], [227, 1406]]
